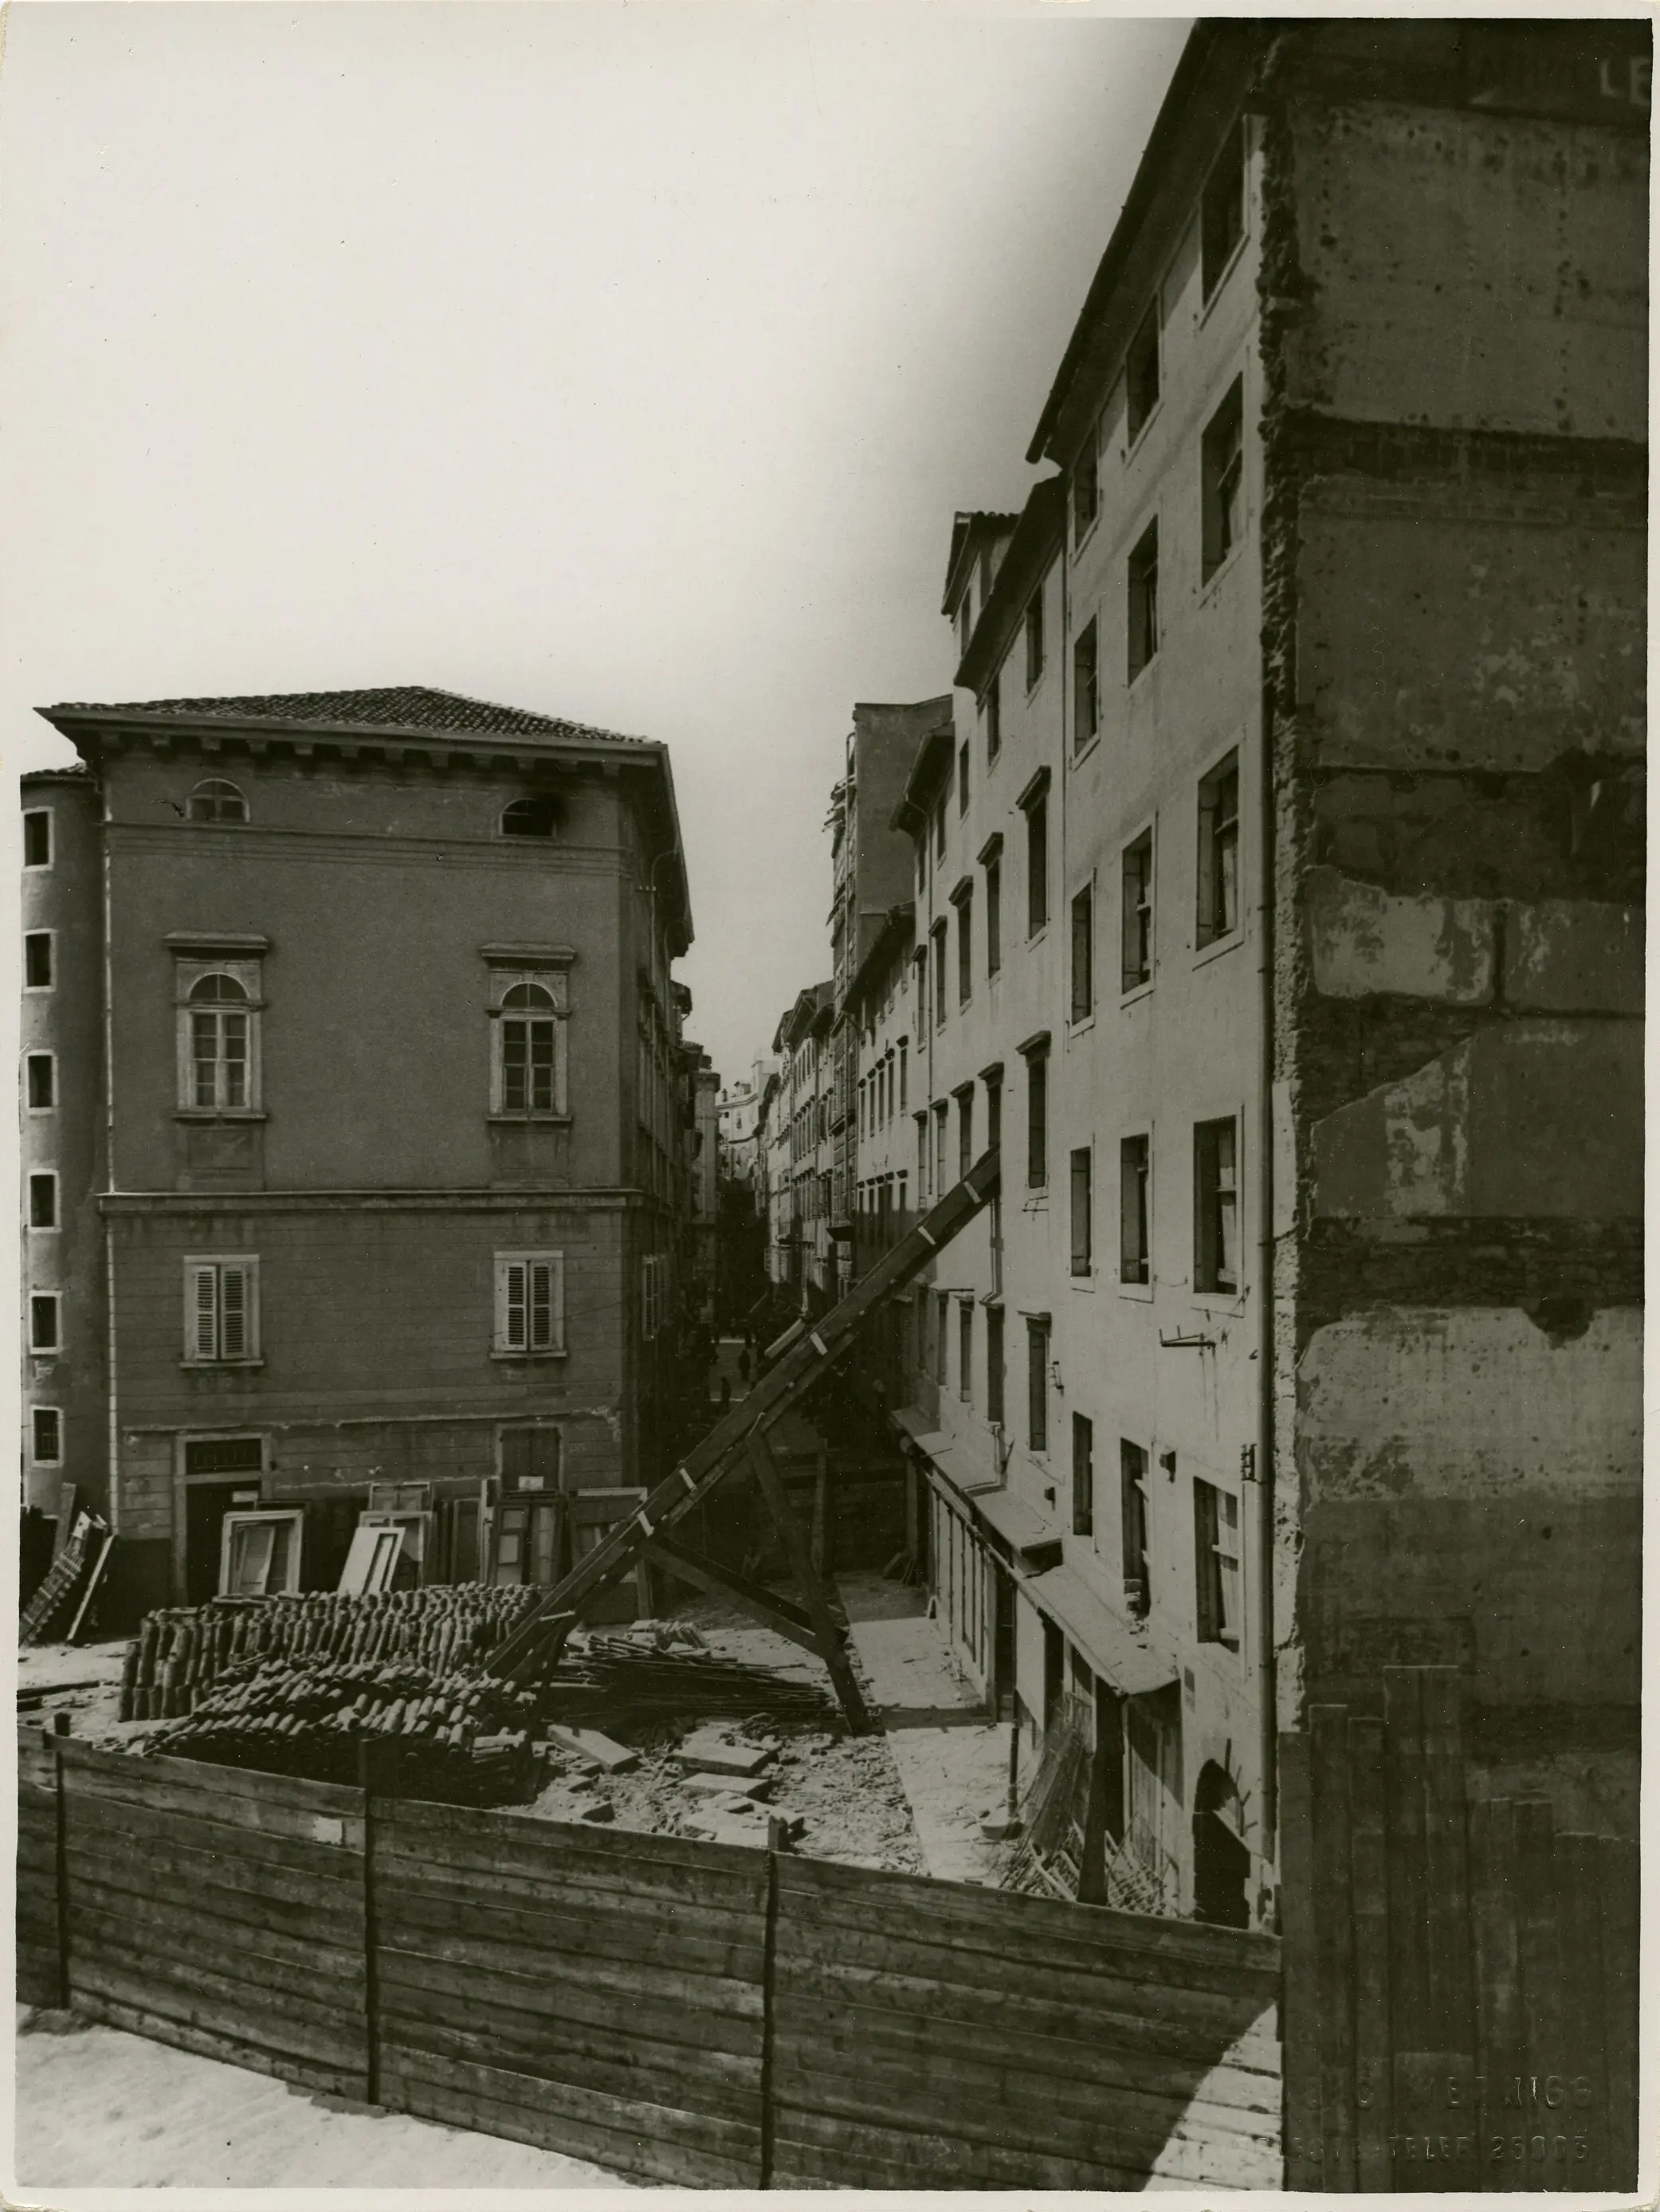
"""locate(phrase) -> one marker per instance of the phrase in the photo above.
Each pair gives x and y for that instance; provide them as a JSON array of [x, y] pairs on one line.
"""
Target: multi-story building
[[738, 1119], [802, 1199], [1278, 913], [352, 1142]]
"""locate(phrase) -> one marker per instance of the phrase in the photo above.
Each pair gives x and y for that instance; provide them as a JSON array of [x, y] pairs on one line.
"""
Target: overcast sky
[[623, 362]]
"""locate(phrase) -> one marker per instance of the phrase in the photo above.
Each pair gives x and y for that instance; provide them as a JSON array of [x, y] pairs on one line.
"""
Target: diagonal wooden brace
[[767, 1606], [829, 1642]]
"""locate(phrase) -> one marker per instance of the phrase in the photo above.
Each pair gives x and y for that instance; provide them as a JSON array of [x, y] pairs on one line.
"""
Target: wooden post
[[1092, 1859], [367, 1749], [1334, 1938], [1304, 2122], [1369, 1867], [830, 1647]]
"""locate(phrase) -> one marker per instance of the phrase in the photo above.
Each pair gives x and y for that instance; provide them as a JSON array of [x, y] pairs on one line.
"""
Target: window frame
[[1080, 1185], [542, 804], [503, 1263], [1215, 555], [37, 1457], [509, 970], [1217, 1578], [965, 1350], [49, 938], [1135, 1524], [941, 988], [1211, 868], [1083, 1476], [1142, 635], [1135, 1212], [42, 1305], [219, 1264], [1037, 1057], [991, 862], [963, 900], [39, 814], [1217, 1210], [1085, 475], [963, 1094], [996, 1378], [1085, 687], [1080, 956], [1146, 342], [191, 971], [49, 1177], [1137, 917], [1032, 629], [31, 1061], [1034, 804], [1217, 257], [991, 708], [1037, 1383], [218, 786]]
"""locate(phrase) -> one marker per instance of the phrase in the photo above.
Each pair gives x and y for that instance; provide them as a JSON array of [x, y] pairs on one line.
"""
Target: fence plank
[[1447, 1928], [1305, 2125], [1619, 1872], [1329, 1772], [1404, 1749], [1579, 1904], [1369, 1872], [1501, 2044]]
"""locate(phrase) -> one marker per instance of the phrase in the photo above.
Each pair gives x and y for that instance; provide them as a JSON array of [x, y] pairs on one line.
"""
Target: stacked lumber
[[182, 1652], [464, 1735], [616, 1679]]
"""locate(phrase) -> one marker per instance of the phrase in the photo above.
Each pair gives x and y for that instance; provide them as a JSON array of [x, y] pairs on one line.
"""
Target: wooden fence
[[676, 2012], [1461, 1978]]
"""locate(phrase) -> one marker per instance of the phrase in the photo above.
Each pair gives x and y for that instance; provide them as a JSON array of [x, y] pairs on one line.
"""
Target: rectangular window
[[942, 1338], [992, 706], [1134, 1168], [43, 1321], [1142, 374], [904, 1049], [1037, 864], [529, 1457], [1221, 480], [219, 1059], [1216, 1201], [1037, 1383], [921, 987], [992, 1080], [37, 960], [1083, 1476], [1086, 485], [1222, 209], [922, 1155], [965, 1349], [653, 1271], [528, 1064], [222, 1310], [41, 1074], [940, 1170], [1083, 1254], [36, 839], [993, 915], [940, 812], [964, 1129], [1133, 1481], [994, 1365], [1085, 687], [939, 933], [1136, 934], [962, 778], [1216, 1560], [1083, 953], [1034, 637], [963, 904], [1038, 1119], [530, 1304], [1219, 852], [47, 1440], [43, 1201], [1143, 600]]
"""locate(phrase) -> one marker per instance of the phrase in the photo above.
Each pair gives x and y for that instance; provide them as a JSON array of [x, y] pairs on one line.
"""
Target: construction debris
[[616, 1680], [707, 1753], [589, 1744]]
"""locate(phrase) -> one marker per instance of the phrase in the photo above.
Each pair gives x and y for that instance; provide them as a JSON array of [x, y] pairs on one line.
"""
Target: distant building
[[799, 1173], [740, 1119], [353, 1142]]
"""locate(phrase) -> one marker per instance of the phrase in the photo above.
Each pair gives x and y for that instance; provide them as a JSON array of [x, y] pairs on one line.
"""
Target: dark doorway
[[1054, 1674], [1110, 1743], [1221, 1863], [206, 1504]]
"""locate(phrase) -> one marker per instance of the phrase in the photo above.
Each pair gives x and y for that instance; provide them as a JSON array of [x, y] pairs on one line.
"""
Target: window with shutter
[[530, 1304], [222, 1310]]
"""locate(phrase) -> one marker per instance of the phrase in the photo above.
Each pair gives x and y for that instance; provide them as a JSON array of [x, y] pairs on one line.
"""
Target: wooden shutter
[[514, 1315], [541, 1305], [1204, 1545], [202, 1313], [235, 1315]]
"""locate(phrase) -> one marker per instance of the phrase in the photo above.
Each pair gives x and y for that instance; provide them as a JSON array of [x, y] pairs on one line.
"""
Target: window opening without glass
[[1222, 480], [216, 800], [1142, 596], [1219, 852], [1216, 1198]]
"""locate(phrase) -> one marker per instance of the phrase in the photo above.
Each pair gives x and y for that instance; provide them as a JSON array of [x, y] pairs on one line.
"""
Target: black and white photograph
[[830, 834]]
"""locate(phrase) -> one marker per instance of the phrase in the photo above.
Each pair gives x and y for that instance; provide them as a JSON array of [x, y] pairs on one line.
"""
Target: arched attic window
[[216, 800], [535, 816]]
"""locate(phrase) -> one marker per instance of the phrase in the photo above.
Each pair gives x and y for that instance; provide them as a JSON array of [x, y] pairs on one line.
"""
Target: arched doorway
[[1222, 1861]]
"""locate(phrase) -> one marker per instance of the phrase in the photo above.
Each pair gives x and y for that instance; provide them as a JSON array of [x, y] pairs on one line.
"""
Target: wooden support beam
[[781, 1614], [831, 1649]]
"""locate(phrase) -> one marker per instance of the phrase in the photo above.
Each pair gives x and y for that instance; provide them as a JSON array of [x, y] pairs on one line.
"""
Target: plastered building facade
[[389, 1165]]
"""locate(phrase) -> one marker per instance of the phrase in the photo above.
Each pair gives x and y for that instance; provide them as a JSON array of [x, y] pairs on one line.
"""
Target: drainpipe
[[1265, 1445]]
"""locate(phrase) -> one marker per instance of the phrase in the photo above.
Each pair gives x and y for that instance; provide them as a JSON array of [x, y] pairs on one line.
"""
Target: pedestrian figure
[[744, 1364], [725, 1392]]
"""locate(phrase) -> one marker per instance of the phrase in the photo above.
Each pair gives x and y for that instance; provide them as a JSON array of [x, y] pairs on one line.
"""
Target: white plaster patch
[[1471, 1402], [1363, 940]]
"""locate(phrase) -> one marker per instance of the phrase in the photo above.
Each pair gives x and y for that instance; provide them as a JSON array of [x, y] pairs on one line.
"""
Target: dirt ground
[[99, 2109]]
